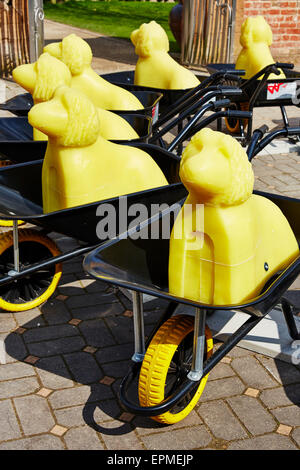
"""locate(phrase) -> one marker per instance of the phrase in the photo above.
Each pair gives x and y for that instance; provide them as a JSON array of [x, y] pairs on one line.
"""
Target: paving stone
[[127, 440], [7, 322], [252, 414], [34, 414], [98, 311], [53, 373], [56, 346], [83, 367], [283, 372], [121, 328], [252, 373], [220, 371], [115, 353], [18, 387], [79, 395], [15, 347], [296, 435], [71, 287], [42, 442], [268, 442], [221, 421], [49, 333], [83, 438], [116, 369], [146, 426], [9, 428], [222, 388], [55, 312], [289, 415], [96, 333], [15, 371], [84, 300], [281, 396], [30, 318], [178, 439], [238, 352]]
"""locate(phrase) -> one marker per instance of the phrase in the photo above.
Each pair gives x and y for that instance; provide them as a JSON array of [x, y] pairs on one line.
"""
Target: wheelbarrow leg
[[290, 320], [196, 371], [16, 249], [139, 331]]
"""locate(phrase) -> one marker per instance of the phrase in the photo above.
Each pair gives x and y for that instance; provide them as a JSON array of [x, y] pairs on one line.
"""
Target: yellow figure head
[[69, 117], [215, 169], [150, 37], [42, 77], [255, 29], [72, 51]]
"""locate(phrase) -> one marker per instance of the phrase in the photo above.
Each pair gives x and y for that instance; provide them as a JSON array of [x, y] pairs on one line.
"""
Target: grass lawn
[[114, 18]]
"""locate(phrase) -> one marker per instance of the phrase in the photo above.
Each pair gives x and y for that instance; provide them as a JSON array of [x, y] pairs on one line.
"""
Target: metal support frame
[[36, 28], [139, 330], [196, 371]]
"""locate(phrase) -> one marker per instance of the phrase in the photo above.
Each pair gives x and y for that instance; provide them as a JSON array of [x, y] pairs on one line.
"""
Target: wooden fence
[[14, 35]]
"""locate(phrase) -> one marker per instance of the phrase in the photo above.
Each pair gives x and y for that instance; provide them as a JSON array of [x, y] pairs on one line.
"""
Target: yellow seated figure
[[155, 67], [256, 39], [226, 242], [44, 76], [77, 55], [79, 165]]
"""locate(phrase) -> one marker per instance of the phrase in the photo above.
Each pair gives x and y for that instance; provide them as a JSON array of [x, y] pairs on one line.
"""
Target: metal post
[[138, 323], [196, 371], [16, 246], [36, 28]]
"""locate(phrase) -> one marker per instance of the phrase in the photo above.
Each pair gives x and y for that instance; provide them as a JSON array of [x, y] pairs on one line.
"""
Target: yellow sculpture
[[256, 39], [155, 67], [79, 165], [226, 242], [44, 76], [77, 55]]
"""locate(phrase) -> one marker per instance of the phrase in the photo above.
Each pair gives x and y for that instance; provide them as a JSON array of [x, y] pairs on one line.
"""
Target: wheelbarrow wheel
[[233, 124], [32, 290], [166, 364]]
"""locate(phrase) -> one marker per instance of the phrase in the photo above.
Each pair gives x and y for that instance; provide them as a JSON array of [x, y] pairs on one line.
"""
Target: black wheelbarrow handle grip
[[283, 65], [238, 114]]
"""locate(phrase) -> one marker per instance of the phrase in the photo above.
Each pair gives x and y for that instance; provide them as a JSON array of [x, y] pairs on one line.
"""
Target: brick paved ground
[[64, 362]]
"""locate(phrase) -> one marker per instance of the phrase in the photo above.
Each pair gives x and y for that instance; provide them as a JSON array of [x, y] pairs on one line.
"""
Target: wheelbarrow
[[260, 91], [31, 266], [172, 374]]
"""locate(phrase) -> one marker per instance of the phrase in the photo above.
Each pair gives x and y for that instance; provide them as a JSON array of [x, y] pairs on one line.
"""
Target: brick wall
[[284, 19]]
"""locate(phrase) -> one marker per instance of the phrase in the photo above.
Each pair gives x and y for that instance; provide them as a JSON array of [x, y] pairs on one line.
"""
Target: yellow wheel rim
[[28, 294], [158, 362]]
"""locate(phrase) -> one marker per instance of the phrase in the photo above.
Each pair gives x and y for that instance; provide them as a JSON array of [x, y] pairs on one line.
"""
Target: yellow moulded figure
[[155, 67], [77, 55], [256, 39], [44, 76], [79, 165], [226, 242]]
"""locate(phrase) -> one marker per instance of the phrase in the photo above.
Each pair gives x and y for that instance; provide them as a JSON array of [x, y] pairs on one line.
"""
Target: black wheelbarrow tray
[[21, 104], [17, 144], [29, 260], [171, 380], [260, 91]]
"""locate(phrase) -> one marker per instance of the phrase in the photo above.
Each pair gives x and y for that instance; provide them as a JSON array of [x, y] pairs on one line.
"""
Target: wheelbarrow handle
[[283, 65]]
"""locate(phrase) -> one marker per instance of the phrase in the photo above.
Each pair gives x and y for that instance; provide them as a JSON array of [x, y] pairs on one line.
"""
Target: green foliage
[[112, 18]]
